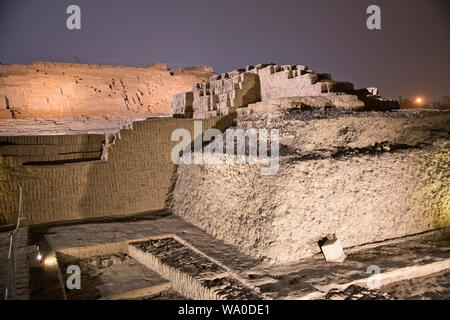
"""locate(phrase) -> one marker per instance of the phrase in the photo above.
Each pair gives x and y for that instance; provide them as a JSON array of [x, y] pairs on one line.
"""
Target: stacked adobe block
[[227, 92], [219, 96], [297, 81]]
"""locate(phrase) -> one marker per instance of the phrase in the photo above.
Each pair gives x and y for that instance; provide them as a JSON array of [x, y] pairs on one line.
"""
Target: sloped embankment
[[364, 177]]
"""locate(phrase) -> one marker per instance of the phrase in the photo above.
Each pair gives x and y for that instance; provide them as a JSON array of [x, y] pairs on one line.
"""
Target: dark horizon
[[408, 57]]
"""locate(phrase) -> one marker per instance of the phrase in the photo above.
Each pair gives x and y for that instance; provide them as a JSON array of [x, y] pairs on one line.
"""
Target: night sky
[[409, 56]]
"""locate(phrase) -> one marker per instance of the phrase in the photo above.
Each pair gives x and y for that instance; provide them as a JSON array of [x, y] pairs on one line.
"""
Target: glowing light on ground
[[50, 261]]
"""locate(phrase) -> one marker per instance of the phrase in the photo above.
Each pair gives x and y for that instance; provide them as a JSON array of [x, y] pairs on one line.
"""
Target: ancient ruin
[[228, 92], [49, 90], [86, 163]]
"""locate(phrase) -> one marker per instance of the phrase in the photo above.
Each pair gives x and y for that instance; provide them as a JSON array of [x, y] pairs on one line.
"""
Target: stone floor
[[54, 238], [313, 277], [431, 287]]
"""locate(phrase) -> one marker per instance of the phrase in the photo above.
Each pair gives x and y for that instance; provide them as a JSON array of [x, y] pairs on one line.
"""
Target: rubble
[[349, 164], [228, 92]]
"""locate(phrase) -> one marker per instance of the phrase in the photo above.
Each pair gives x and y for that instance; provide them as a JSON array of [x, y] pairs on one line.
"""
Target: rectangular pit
[[192, 274]]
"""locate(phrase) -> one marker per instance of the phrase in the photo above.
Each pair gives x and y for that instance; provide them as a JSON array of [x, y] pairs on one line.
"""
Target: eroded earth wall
[[72, 177], [361, 176], [49, 90]]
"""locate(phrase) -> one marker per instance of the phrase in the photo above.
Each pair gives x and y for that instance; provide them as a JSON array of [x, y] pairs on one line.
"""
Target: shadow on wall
[[62, 182]]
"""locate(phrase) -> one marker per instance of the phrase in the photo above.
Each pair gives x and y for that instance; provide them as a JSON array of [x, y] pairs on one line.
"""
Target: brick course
[[134, 178]]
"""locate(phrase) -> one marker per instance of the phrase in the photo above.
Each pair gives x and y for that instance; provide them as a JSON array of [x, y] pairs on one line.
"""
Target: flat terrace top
[[69, 125], [73, 125]]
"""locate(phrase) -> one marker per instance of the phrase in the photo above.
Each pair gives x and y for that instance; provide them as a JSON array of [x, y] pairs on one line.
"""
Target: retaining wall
[[73, 177]]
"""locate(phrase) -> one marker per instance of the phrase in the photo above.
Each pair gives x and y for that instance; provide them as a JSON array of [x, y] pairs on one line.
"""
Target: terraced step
[[192, 274]]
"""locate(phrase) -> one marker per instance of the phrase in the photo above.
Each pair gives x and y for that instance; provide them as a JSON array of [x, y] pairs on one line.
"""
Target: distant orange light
[[419, 100]]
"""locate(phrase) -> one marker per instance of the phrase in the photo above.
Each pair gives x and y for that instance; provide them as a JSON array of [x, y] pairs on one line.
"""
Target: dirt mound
[[362, 176]]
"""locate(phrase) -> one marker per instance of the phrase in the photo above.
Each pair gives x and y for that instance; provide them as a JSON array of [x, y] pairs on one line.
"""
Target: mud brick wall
[[52, 149], [229, 91], [286, 81], [49, 90], [74, 177], [361, 176]]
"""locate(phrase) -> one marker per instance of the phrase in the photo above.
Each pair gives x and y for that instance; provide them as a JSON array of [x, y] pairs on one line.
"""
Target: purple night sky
[[409, 56]]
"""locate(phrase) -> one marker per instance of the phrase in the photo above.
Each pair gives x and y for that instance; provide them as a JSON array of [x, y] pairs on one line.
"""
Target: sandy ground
[[432, 287], [435, 286]]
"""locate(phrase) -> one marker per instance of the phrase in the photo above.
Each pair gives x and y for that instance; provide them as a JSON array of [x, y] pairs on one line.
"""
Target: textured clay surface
[[63, 89], [363, 177]]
